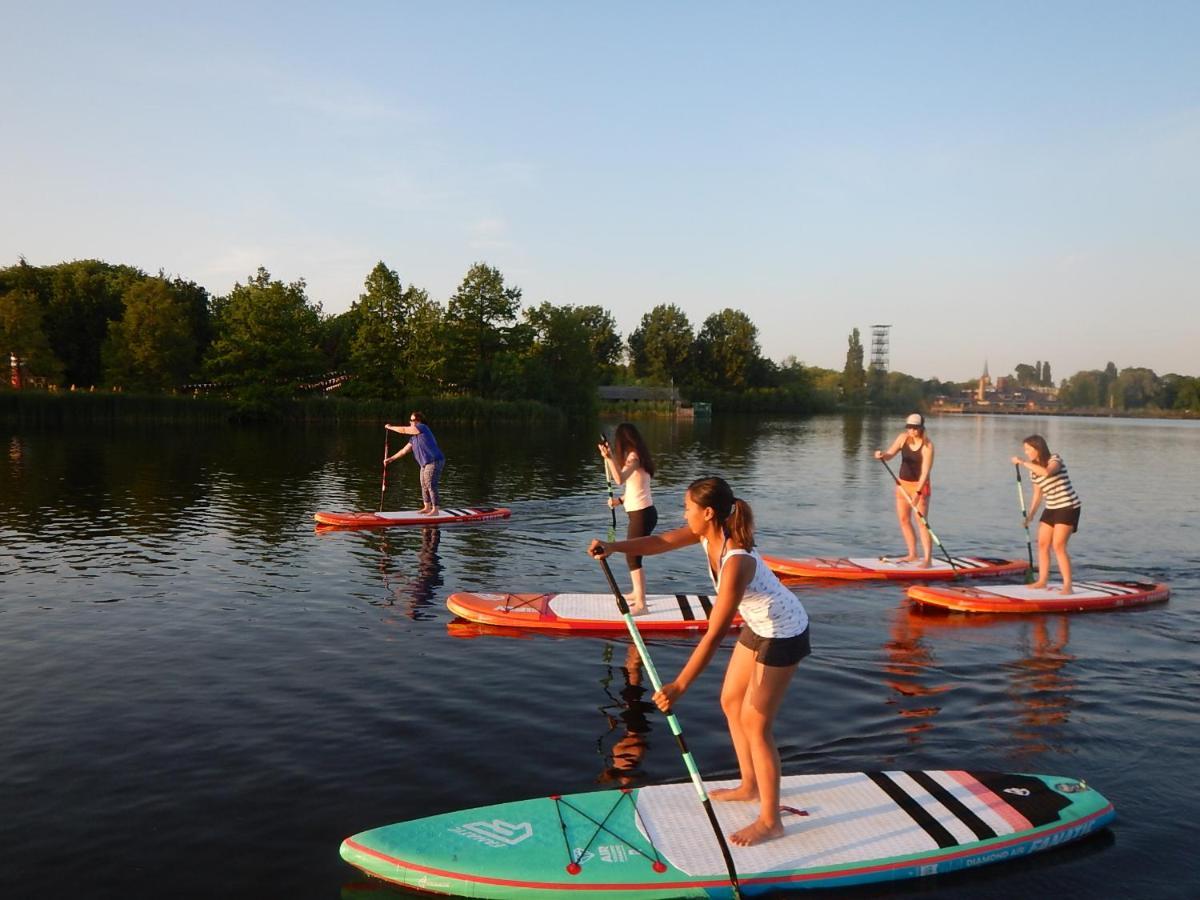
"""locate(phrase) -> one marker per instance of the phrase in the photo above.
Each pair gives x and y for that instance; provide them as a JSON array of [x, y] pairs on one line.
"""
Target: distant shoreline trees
[[90, 323]]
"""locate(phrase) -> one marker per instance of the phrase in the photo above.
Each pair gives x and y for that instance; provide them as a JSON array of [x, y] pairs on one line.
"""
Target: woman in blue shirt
[[428, 455]]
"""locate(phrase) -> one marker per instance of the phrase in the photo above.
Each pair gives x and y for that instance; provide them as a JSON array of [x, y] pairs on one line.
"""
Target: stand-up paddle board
[[656, 842], [411, 517], [1022, 598], [583, 612], [886, 568]]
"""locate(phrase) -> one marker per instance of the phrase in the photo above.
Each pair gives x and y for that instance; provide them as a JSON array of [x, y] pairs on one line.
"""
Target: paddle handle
[[913, 503], [676, 729], [612, 533]]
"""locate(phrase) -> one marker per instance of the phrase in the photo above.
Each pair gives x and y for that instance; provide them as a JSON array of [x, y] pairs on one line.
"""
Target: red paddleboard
[[886, 569], [583, 612], [411, 517], [1021, 598]]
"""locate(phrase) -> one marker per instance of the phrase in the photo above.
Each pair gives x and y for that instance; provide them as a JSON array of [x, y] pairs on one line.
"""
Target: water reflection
[[626, 715], [411, 587], [1040, 686], [1036, 681]]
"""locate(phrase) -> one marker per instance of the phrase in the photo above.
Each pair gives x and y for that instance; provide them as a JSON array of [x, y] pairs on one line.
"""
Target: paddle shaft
[[612, 533], [1024, 519], [383, 481], [913, 503], [676, 730]]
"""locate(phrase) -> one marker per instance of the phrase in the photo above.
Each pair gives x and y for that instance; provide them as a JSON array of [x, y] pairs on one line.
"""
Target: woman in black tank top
[[916, 462]]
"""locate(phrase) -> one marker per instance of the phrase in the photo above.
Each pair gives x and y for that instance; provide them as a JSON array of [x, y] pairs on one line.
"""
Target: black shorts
[[641, 523], [781, 652], [1066, 516]]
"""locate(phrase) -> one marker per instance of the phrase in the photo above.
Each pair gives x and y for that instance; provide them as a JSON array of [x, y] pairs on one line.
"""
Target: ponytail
[[733, 515]]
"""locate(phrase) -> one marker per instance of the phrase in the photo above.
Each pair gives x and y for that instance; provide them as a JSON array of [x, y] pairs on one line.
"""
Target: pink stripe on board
[[997, 804]]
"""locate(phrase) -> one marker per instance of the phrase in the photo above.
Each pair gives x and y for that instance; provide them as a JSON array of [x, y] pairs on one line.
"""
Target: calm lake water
[[200, 696]]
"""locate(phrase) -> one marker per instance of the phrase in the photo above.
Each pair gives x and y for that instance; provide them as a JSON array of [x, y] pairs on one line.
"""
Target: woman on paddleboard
[[629, 463], [424, 448], [1060, 518], [916, 462], [774, 639]]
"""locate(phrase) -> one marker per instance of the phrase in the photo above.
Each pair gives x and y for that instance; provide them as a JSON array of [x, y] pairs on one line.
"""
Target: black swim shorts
[[779, 652], [1068, 515]]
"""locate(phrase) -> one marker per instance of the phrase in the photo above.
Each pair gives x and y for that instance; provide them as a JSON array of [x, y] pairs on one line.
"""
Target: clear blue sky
[[1001, 181]]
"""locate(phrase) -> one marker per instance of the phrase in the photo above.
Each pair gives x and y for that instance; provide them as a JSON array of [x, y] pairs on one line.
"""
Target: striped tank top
[[1056, 488]]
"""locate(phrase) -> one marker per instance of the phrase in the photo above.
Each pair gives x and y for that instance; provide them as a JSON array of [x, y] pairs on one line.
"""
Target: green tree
[[478, 316], [1135, 388], [605, 344], [267, 337], [381, 337], [82, 298], [726, 350], [22, 335], [854, 376], [561, 369], [153, 345], [1047, 378], [1107, 386], [660, 348], [1083, 390], [1027, 375]]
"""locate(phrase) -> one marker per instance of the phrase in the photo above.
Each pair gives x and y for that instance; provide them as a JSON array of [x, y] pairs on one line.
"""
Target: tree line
[[1131, 389], [90, 323]]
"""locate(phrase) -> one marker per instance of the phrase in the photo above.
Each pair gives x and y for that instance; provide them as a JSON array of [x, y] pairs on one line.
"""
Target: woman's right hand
[[597, 550], [604, 451], [879, 454]]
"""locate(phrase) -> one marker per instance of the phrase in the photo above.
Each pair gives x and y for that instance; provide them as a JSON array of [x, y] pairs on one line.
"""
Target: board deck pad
[[568, 612], [840, 829], [894, 569], [445, 516], [1023, 598]]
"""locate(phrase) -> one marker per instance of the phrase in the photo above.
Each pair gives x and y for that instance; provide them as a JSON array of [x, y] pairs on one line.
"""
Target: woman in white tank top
[[773, 640], [629, 463]]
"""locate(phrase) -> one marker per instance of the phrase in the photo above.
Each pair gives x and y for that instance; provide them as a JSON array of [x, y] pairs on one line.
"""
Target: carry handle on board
[[676, 730], [924, 521]]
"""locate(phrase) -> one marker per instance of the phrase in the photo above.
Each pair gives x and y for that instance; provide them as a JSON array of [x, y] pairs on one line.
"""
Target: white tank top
[[637, 486], [769, 609]]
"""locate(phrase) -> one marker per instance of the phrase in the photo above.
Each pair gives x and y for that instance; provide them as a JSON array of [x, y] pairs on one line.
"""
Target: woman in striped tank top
[[773, 640], [1060, 518]]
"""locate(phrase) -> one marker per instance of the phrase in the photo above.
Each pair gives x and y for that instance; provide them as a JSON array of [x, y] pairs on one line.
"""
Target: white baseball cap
[[915, 419]]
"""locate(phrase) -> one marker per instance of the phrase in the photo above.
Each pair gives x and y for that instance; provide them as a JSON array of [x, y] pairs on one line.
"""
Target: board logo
[[496, 833], [1019, 792]]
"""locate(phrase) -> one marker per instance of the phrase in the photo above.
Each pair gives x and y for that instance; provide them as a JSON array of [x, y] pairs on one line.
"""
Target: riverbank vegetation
[[161, 347]]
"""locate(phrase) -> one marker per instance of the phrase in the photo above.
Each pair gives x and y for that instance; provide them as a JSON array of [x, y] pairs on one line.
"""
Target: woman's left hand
[[1017, 461], [667, 696]]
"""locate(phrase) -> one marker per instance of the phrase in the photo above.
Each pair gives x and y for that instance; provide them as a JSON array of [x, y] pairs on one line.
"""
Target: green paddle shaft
[[924, 521], [673, 722], [612, 529], [1024, 518]]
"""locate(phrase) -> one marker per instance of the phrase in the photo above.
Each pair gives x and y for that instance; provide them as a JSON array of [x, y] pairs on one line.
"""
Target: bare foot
[[1066, 589], [637, 607], [912, 557], [756, 833], [433, 511], [924, 564], [1040, 585], [741, 792]]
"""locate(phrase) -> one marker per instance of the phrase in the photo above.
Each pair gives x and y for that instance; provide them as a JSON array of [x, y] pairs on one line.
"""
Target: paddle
[[676, 730], [383, 482], [1025, 524], [612, 529], [924, 521]]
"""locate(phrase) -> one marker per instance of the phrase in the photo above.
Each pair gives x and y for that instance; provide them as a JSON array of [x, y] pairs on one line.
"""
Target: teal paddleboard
[[656, 842]]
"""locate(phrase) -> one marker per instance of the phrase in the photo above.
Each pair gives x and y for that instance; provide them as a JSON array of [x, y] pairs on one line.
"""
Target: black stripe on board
[[685, 607], [707, 604], [1111, 590], [915, 810], [969, 563], [982, 829]]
